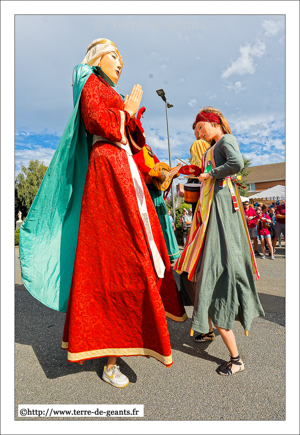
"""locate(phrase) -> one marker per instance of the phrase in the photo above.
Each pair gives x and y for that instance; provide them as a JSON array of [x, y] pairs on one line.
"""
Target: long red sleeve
[[102, 110]]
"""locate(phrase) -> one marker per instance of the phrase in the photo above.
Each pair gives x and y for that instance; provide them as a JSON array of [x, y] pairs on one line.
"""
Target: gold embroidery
[[175, 318], [118, 352]]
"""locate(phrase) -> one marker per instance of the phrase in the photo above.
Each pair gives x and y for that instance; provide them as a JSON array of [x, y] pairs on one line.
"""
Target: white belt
[[125, 147]]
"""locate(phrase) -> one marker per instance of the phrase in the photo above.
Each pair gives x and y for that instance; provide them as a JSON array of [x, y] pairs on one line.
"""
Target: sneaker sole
[[114, 385], [241, 370], [205, 339]]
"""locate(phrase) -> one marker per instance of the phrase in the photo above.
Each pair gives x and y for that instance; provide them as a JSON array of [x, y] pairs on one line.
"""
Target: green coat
[[225, 287]]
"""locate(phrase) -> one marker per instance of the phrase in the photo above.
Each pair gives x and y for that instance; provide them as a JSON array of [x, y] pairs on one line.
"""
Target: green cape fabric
[[48, 236], [168, 232]]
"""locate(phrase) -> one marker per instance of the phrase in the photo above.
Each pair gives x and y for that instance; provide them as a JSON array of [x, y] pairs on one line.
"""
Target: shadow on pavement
[[41, 328], [274, 307], [181, 340]]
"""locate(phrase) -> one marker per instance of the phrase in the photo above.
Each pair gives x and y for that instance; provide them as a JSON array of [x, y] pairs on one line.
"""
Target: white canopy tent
[[274, 193], [244, 198]]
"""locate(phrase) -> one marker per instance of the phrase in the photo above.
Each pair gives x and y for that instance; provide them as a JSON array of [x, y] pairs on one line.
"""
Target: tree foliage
[[244, 173], [27, 184]]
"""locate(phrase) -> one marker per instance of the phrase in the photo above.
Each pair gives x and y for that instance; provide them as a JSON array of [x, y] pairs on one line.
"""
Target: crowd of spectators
[[265, 224]]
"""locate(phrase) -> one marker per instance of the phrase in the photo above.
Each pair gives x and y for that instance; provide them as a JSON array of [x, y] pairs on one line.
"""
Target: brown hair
[[224, 123]]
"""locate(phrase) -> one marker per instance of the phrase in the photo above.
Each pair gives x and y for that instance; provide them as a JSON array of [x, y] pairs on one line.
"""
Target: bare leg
[[210, 325], [270, 246], [263, 245], [111, 361], [229, 340], [255, 243], [274, 242]]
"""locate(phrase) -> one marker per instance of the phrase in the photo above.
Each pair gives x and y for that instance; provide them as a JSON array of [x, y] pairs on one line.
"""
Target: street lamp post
[[161, 93]]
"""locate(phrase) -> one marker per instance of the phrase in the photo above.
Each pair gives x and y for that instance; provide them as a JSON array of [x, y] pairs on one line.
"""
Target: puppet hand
[[131, 104], [203, 177]]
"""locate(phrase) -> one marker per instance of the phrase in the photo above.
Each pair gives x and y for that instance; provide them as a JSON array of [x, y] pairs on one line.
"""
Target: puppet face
[[111, 65], [205, 130]]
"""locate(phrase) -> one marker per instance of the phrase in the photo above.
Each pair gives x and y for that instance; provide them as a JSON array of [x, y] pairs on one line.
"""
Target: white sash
[[141, 200]]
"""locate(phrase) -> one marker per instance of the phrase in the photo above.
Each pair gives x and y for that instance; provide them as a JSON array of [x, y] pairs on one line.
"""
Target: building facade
[[265, 176]]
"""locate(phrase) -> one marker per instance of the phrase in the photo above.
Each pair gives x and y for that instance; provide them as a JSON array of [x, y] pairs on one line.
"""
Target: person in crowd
[[272, 215], [184, 212], [186, 224], [171, 220], [116, 280], [280, 222], [263, 222], [251, 219], [183, 226], [216, 266], [264, 211], [257, 209]]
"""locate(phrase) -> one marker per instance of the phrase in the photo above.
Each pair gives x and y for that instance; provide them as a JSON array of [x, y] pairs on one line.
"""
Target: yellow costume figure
[[197, 150]]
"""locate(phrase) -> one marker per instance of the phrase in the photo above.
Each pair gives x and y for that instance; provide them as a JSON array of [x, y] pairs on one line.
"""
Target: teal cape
[[48, 236], [165, 222]]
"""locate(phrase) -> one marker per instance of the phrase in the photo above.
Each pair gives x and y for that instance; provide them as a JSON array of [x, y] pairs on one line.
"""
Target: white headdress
[[97, 49]]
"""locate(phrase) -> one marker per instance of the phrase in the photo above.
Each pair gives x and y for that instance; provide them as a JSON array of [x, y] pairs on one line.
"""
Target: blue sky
[[233, 62]]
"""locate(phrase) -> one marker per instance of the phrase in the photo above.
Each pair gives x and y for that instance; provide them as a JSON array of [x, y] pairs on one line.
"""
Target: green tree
[[244, 173], [27, 184], [18, 204]]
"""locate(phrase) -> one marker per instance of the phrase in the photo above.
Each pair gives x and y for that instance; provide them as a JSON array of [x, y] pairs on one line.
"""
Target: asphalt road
[[189, 390]]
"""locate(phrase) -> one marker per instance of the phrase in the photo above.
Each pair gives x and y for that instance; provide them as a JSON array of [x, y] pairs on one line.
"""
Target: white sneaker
[[263, 257], [114, 377], [272, 257]]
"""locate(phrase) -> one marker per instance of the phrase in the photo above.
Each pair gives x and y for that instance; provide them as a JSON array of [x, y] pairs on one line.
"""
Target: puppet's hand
[[203, 177], [132, 103]]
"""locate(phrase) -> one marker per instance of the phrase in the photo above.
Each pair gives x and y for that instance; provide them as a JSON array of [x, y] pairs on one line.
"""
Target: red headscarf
[[207, 117]]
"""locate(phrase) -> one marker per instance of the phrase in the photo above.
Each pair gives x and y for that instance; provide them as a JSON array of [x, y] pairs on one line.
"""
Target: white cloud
[[258, 126], [237, 87], [211, 95], [272, 27], [192, 103], [245, 63], [264, 159], [277, 143], [261, 138], [180, 144], [159, 57], [22, 157]]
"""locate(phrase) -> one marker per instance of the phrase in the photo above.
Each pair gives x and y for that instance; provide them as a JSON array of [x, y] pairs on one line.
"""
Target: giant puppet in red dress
[[118, 303]]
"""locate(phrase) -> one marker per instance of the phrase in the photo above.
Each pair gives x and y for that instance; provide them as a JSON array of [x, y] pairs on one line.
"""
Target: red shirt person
[[265, 236], [251, 219]]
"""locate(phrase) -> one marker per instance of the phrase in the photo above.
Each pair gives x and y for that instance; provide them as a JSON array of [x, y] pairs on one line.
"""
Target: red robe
[[117, 304]]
